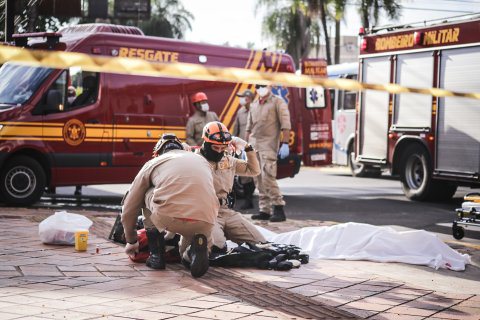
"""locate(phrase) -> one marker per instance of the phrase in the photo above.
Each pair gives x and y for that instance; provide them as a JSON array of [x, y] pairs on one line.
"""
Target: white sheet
[[357, 241]]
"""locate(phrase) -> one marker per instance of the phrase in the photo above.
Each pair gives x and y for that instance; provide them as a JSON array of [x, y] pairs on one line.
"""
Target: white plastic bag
[[60, 228]]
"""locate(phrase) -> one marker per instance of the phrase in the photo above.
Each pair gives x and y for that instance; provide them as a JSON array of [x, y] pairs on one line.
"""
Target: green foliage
[[169, 19], [290, 26], [29, 20], [298, 25], [370, 10]]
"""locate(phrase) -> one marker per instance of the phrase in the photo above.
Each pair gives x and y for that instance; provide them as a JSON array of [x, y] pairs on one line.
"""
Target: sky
[[235, 21]]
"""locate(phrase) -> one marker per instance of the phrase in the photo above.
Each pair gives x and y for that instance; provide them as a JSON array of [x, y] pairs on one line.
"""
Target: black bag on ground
[[262, 256]]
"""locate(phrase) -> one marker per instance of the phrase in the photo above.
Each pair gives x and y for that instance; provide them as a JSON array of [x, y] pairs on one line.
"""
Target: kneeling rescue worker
[[175, 192], [230, 225]]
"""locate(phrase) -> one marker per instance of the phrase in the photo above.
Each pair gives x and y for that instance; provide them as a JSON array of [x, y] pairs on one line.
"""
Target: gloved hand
[[186, 147], [242, 155], [284, 151], [239, 144], [132, 249]]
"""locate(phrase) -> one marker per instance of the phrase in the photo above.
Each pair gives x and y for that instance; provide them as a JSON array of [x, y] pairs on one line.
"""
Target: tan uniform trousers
[[266, 182], [233, 226], [187, 229]]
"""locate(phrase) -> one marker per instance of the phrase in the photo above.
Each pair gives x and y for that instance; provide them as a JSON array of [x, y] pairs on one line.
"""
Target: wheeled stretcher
[[467, 216]]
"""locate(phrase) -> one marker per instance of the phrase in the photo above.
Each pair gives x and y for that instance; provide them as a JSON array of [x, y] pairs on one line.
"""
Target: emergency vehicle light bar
[[21, 39], [420, 24]]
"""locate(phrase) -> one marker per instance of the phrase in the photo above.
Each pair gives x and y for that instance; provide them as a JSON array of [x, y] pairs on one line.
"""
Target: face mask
[[242, 101], [262, 91], [204, 107], [210, 154]]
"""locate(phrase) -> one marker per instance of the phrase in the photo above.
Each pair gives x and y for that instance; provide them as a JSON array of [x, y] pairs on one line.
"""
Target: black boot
[[198, 254], [261, 216], [249, 189], [156, 246], [278, 214]]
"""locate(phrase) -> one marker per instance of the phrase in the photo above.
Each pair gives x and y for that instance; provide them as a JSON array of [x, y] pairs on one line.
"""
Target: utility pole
[[9, 19]]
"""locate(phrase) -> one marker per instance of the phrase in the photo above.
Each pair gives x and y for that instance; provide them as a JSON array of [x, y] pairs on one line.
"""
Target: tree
[[370, 9], [290, 26], [168, 19], [335, 9], [318, 9], [339, 11], [28, 19]]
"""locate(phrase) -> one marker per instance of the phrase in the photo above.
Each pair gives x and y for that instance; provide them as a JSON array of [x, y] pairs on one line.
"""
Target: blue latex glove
[[284, 151]]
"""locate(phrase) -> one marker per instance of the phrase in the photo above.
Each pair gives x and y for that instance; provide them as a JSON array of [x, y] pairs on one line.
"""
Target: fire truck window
[[83, 90]]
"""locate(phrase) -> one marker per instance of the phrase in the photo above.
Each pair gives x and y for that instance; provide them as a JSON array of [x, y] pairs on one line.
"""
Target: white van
[[343, 122]]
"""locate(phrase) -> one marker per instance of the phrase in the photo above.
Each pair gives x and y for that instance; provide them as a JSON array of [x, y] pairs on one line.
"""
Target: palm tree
[[319, 8], [169, 19], [290, 26], [339, 11], [370, 9]]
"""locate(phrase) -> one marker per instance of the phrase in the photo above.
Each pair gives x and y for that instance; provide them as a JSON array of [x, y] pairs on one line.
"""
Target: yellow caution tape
[[136, 66]]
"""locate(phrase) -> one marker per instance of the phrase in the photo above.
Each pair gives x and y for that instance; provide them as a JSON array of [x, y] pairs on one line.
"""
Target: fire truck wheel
[[359, 169], [442, 190], [23, 181], [416, 173], [458, 232]]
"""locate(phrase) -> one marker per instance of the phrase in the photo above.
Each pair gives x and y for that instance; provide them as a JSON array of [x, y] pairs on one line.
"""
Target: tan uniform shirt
[[241, 123], [195, 126], [265, 122], [183, 188]]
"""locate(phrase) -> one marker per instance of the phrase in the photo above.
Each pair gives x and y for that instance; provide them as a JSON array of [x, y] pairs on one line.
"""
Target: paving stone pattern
[[40, 281]]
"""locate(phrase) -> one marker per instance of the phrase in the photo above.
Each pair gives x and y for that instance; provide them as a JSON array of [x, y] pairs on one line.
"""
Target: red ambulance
[[103, 129]]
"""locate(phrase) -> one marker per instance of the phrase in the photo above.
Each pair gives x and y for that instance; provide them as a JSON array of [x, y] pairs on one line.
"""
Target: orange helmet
[[199, 96], [216, 133]]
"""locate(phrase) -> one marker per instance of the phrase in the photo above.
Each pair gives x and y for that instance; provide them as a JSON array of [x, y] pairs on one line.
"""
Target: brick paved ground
[[56, 282]]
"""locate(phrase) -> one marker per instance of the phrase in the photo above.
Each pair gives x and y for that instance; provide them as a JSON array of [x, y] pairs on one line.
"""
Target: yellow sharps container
[[81, 240]]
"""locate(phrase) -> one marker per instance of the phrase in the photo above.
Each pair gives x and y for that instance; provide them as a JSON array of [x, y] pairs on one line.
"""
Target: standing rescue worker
[[268, 117], [175, 192], [247, 183], [230, 225], [199, 119]]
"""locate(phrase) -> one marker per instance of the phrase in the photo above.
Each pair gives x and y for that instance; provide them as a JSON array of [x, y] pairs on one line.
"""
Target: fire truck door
[[458, 127], [374, 110], [75, 126]]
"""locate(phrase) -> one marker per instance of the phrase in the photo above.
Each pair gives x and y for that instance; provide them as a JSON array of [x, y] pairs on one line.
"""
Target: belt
[[186, 219]]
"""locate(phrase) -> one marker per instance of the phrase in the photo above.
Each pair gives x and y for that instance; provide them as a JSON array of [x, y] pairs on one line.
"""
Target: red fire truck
[[103, 130], [433, 144]]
